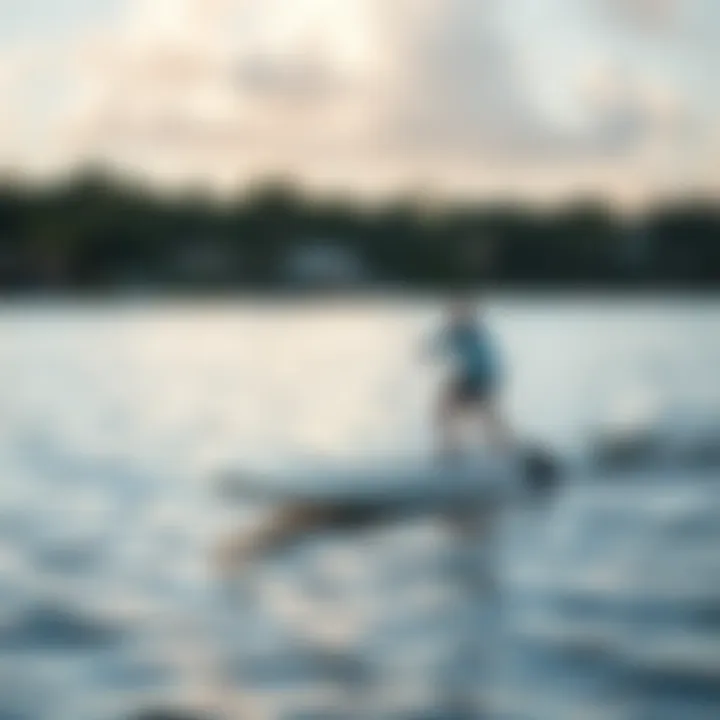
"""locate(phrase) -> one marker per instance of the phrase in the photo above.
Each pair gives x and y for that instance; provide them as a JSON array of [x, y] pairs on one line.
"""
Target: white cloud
[[364, 92], [644, 14]]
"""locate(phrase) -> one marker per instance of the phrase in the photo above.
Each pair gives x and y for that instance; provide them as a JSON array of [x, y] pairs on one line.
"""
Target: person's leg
[[496, 430], [446, 420]]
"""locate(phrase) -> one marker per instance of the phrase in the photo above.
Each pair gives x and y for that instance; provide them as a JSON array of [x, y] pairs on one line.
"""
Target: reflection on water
[[115, 419]]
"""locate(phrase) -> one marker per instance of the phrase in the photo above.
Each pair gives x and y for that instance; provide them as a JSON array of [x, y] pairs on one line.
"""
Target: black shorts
[[464, 390]]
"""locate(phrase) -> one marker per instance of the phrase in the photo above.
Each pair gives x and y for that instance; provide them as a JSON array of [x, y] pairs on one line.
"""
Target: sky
[[540, 98]]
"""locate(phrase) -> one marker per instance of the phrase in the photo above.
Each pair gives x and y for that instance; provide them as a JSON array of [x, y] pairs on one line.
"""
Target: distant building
[[321, 263]]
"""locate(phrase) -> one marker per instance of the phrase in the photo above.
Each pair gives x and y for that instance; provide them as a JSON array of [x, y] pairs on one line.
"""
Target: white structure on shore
[[323, 263]]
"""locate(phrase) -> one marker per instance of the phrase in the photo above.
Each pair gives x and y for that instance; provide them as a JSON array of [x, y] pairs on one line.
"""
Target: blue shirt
[[471, 350]]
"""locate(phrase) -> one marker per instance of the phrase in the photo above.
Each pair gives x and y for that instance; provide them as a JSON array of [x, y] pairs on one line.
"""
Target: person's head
[[463, 311]]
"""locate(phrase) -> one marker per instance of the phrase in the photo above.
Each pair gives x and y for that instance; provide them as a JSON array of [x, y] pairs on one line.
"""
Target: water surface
[[116, 417]]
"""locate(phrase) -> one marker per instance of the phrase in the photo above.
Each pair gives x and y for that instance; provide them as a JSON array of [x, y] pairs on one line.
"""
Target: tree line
[[95, 232]]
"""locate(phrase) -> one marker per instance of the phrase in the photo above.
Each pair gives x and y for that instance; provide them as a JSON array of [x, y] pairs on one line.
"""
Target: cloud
[[363, 93], [628, 111], [456, 87], [644, 14]]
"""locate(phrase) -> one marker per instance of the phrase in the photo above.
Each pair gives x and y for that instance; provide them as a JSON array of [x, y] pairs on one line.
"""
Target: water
[[115, 418]]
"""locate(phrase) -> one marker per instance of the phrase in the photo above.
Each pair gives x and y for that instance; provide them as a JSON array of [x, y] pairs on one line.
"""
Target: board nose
[[543, 471]]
